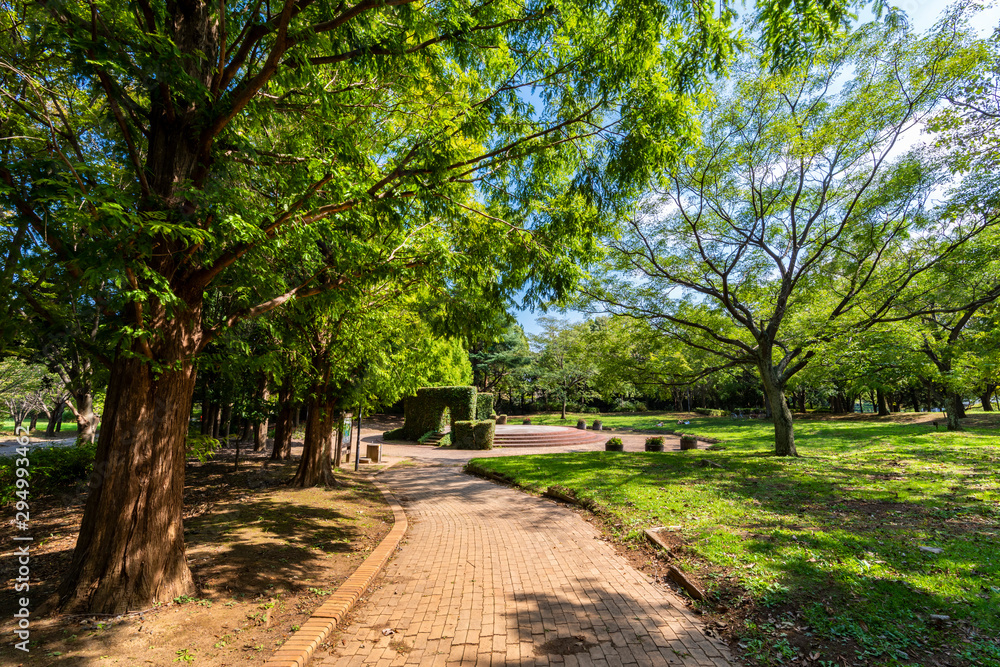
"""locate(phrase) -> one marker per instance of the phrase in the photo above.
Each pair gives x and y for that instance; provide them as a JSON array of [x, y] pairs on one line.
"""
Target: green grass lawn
[[827, 544], [68, 427]]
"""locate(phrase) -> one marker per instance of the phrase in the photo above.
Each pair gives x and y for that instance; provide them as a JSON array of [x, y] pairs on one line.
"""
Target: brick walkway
[[491, 576]]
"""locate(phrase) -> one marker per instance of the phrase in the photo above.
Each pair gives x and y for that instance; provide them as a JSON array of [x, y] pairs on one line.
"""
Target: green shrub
[[484, 406], [422, 439], [473, 434], [630, 406], [395, 434], [425, 411], [51, 469], [501, 419], [590, 410], [710, 412], [614, 445], [445, 440]]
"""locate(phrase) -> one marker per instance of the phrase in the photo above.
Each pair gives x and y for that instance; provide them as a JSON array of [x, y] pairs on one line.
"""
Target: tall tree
[[160, 148], [794, 222]]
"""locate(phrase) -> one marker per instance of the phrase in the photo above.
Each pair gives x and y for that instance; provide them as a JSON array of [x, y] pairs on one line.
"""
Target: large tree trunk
[[86, 420], [130, 550], [987, 398], [781, 415], [314, 466], [283, 424], [883, 403]]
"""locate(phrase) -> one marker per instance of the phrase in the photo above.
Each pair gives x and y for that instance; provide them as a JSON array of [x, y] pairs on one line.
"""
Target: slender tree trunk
[[959, 403], [206, 407], [55, 418], [34, 422], [130, 549], [227, 420], [563, 406], [338, 453], [883, 403], [314, 466], [283, 424], [215, 417]]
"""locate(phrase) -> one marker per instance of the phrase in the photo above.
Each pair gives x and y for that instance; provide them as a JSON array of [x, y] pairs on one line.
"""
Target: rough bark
[[86, 420], [314, 466], [883, 403], [130, 550]]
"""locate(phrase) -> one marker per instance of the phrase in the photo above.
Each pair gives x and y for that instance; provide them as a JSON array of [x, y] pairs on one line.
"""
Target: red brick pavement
[[491, 576]]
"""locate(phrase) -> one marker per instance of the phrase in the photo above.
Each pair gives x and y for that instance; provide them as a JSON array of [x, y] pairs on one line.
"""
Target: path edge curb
[[300, 647]]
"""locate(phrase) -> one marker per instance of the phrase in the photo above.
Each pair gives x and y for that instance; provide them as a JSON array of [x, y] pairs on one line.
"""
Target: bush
[[710, 412], [484, 406], [395, 434], [598, 425], [473, 434], [51, 469], [630, 406], [581, 424], [425, 411], [501, 419], [526, 421], [590, 411], [614, 445], [654, 444]]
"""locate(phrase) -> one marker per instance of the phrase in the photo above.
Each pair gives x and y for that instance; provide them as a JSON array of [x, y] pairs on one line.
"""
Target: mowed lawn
[[818, 559]]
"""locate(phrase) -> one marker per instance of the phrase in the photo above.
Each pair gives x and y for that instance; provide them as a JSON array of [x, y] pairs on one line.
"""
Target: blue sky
[[922, 16]]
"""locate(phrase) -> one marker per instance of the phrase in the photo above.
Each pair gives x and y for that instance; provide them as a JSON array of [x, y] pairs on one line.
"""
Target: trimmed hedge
[[468, 434], [394, 434], [710, 412], [484, 406], [425, 411]]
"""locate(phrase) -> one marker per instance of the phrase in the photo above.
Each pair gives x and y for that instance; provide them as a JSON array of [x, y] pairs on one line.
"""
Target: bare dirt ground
[[263, 556]]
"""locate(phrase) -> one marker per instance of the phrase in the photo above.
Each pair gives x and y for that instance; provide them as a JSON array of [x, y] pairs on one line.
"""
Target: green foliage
[[473, 434], [202, 447], [654, 444], [710, 412], [425, 411], [484, 406], [52, 470], [839, 530], [614, 445], [395, 434]]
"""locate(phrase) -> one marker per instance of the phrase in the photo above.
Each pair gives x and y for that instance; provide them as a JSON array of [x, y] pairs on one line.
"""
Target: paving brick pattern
[[491, 576]]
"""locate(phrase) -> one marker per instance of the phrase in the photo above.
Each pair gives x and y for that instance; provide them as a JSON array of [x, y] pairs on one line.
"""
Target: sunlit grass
[[839, 528]]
